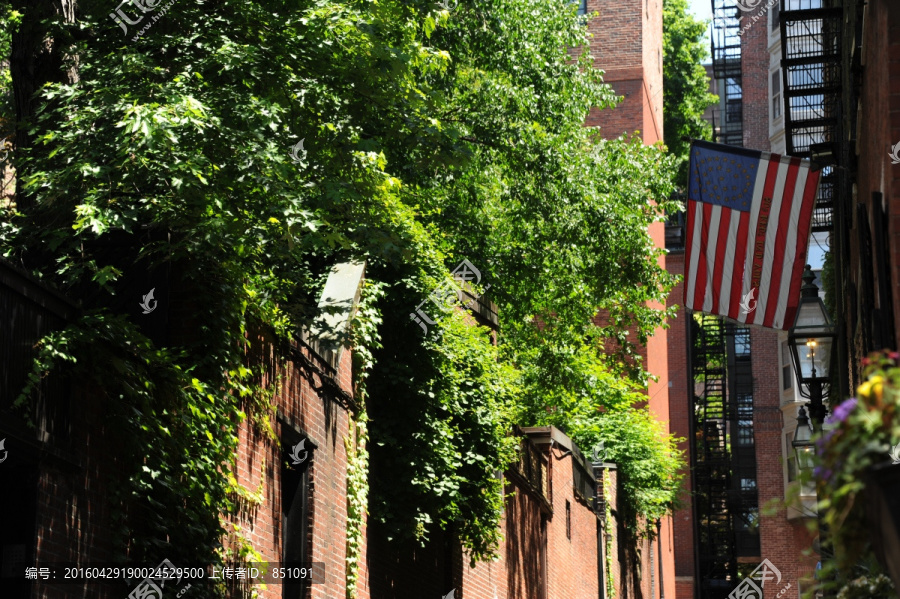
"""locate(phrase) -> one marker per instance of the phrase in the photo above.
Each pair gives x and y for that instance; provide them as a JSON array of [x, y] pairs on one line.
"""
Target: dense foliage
[[429, 136], [864, 437], [685, 82]]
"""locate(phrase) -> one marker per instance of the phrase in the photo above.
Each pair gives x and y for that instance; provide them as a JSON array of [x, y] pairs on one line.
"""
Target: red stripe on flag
[[689, 231], [719, 264], [740, 256], [784, 220], [700, 285], [809, 201], [762, 223]]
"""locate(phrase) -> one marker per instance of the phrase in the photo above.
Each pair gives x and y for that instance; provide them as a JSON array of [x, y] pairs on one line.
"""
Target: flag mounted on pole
[[748, 219]]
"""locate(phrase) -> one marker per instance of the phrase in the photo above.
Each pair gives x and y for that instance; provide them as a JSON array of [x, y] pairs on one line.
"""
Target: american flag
[[748, 218]]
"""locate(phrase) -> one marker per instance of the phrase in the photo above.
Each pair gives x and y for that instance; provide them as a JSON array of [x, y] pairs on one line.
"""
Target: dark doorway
[[18, 498], [295, 510]]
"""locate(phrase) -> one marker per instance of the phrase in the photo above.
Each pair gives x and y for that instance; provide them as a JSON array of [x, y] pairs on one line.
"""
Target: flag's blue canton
[[722, 178]]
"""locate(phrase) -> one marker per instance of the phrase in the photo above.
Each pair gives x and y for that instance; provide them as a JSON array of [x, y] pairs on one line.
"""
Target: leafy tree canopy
[[430, 136], [685, 82]]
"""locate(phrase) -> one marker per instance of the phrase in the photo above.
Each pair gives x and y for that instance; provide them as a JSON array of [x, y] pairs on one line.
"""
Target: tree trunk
[[37, 59]]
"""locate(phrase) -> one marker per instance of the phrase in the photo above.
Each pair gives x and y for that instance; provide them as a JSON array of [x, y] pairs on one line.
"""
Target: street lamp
[[802, 442], [811, 340]]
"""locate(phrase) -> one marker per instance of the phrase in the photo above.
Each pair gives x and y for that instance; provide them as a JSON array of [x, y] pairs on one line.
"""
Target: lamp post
[[811, 340]]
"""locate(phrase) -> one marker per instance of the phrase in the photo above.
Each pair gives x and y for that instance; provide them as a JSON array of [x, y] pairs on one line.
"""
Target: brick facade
[[627, 45], [327, 426], [878, 130], [679, 423]]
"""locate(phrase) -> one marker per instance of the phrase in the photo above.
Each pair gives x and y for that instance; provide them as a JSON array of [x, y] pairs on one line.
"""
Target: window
[[774, 11], [294, 505], [790, 459], [742, 342], [745, 419], [776, 95], [568, 520], [787, 371], [747, 519], [582, 6]]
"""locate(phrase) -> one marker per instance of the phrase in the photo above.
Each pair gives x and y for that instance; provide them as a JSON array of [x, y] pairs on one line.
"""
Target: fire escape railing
[[718, 505], [726, 61], [811, 79], [711, 459]]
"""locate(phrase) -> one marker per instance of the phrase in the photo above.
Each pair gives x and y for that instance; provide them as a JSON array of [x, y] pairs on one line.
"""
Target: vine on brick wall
[[365, 341], [608, 531]]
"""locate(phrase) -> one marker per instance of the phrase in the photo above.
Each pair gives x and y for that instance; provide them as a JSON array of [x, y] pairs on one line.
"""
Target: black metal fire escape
[[711, 459], [726, 62], [723, 451], [811, 78]]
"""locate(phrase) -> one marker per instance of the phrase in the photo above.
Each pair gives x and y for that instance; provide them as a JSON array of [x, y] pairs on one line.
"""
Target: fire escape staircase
[[811, 79], [726, 62], [717, 566]]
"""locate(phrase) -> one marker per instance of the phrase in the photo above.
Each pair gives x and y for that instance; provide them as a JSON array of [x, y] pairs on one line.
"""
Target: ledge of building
[[329, 335]]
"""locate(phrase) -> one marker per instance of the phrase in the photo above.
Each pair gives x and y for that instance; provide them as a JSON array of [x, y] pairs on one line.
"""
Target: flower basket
[[883, 503]]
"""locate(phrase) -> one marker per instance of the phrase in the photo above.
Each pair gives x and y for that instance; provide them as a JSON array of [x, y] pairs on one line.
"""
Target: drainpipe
[[662, 590]]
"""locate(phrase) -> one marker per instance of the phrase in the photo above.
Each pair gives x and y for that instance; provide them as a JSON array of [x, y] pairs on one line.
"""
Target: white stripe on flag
[[791, 245], [771, 252], [761, 170], [695, 254], [728, 270], [714, 218]]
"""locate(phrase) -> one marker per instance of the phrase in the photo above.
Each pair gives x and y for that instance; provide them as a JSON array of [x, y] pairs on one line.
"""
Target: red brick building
[[626, 44], [738, 515], [292, 485]]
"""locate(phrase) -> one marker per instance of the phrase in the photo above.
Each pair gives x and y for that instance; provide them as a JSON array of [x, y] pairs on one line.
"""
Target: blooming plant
[[863, 431], [866, 587]]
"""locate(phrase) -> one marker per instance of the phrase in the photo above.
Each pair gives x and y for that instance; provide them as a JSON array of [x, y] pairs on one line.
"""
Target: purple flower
[[842, 411], [822, 473], [822, 441]]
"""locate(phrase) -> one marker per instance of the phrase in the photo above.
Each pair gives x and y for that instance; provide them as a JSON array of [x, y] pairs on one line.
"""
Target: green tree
[[429, 136], [685, 83]]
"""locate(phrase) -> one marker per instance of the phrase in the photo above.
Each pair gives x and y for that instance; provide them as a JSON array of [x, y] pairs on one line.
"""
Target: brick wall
[[571, 562], [679, 423], [879, 130], [782, 541], [755, 80], [73, 519], [258, 466], [627, 45]]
